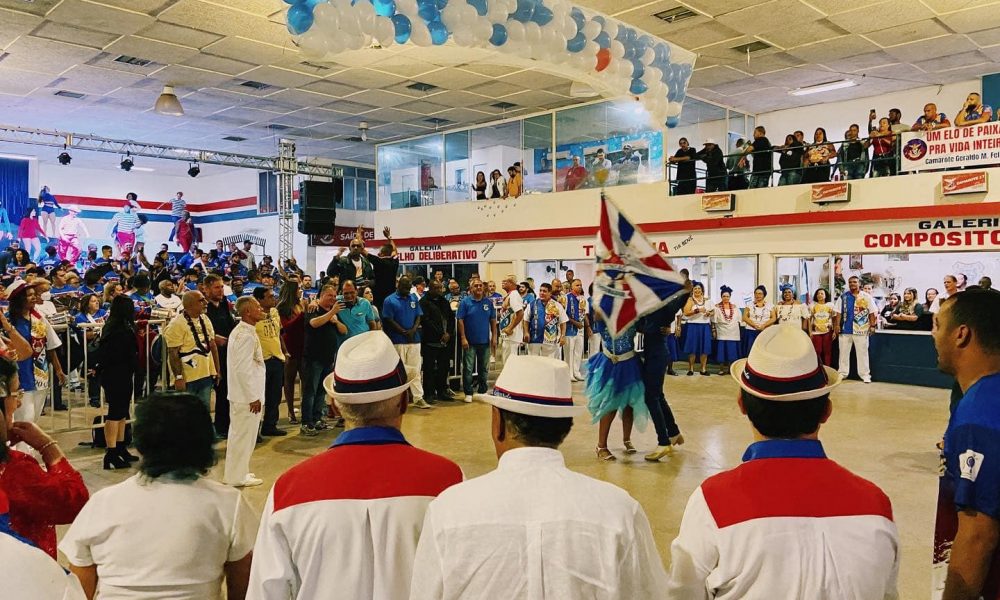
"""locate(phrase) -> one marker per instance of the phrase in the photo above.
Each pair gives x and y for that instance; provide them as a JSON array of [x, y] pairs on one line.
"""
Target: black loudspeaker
[[318, 202]]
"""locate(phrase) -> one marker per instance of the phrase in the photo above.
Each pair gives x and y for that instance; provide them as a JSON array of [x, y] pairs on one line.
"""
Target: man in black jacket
[[385, 266], [715, 166], [220, 313], [437, 330], [354, 267]]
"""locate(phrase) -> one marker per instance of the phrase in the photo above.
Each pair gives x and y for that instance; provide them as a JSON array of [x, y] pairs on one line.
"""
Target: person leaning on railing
[[884, 155], [852, 158], [790, 161], [816, 161]]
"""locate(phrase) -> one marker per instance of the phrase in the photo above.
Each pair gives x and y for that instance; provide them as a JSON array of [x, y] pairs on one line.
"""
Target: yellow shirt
[[822, 318], [269, 333], [197, 361], [514, 186]]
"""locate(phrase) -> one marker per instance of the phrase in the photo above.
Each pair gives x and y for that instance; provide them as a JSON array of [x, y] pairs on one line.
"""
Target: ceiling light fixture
[[126, 164], [194, 170], [168, 103], [819, 88], [363, 128], [64, 157]]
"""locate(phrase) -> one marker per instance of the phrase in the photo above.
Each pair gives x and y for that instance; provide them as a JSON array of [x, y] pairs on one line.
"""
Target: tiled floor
[[883, 432]]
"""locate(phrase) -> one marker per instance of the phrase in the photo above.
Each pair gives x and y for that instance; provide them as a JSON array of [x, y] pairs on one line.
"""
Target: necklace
[[194, 333], [728, 316]]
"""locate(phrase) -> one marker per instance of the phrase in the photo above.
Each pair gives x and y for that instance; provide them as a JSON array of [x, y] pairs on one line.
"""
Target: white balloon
[[496, 13], [323, 11], [469, 14], [312, 44], [591, 29], [673, 109], [385, 31], [484, 29], [617, 50], [592, 48], [364, 10], [407, 7], [648, 57], [451, 16], [515, 32], [510, 5], [532, 33], [419, 34], [610, 28]]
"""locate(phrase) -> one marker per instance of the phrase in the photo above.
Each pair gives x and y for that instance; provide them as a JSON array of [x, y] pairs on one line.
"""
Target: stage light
[[126, 164], [194, 170], [65, 158]]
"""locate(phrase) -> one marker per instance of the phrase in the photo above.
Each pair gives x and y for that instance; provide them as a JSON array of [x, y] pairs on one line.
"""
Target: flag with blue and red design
[[633, 279]]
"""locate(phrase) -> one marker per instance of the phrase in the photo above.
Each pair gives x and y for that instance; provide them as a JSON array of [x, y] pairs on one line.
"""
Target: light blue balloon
[[300, 19], [600, 19], [293, 1], [439, 33], [384, 8], [480, 6], [638, 87], [577, 15], [577, 43], [311, 3], [402, 25], [499, 37], [672, 122], [543, 15], [603, 39], [525, 10], [637, 69], [428, 11], [440, 4]]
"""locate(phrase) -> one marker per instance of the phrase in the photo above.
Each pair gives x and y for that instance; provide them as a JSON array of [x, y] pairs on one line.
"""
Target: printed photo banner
[[613, 57], [973, 146]]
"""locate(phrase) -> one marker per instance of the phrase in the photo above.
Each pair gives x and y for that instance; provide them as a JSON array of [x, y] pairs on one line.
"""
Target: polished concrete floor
[[885, 433]]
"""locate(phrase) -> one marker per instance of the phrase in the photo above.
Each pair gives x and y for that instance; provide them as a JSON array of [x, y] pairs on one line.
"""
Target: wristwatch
[[178, 377]]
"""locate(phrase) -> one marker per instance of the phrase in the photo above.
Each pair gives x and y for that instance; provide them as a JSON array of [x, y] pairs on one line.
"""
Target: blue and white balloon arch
[[618, 58]]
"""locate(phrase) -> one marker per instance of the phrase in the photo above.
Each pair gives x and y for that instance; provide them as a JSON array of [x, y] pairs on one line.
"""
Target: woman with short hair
[[167, 531], [726, 330], [821, 329], [697, 328], [757, 316]]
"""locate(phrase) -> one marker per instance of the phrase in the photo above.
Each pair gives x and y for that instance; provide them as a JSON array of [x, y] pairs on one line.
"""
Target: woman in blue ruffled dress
[[698, 328], [614, 385]]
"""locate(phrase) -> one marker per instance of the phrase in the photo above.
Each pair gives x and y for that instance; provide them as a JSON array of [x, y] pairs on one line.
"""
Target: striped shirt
[[126, 221], [177, 207]]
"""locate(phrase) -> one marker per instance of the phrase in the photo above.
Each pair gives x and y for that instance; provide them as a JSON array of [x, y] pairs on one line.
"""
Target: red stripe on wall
[[150, 205], [690, 225]]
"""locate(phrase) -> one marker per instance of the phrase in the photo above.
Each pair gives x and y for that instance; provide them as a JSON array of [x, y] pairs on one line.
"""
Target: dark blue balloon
[[672, 122], [499, 37], [600, 19], [603, 39], [638, 86], [543, 15], [577, 15], [577, 43], [402, 25], [310, 3], [440, 4], [480, 6], [439, 33], [300, 19], [428, 11], [293, 1], [525, 10], [637, 69]]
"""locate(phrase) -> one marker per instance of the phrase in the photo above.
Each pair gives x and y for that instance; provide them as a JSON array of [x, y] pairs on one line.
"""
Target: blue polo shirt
[[356, 317], [476, 315], [404, 310]]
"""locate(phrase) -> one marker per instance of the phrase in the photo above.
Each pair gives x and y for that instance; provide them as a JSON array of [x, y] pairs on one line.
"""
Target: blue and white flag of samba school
[[633, 279]]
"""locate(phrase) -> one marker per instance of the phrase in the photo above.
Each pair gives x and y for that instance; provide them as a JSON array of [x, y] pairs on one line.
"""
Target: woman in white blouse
[[167, 532], [790, 310], [698, 328], [726, 331], [757, 316]]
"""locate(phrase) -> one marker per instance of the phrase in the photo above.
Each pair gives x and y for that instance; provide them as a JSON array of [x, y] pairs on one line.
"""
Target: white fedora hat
[[534, 385], [783, 365], [368, 369], [73, 208]]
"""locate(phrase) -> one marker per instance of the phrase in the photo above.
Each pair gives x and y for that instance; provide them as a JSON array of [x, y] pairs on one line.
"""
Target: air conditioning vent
[[675, 14], [437, 121], [255, 85], [353, 138], [422, 87], [234, 138], [752, 47], [67, 94], [131, 60], [312, 65], [278, 127], [503, 105]]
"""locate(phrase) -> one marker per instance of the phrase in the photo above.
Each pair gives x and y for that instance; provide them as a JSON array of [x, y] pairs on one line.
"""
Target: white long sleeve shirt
[[30, 574], [788, 523], [245, 361], [533, 529]]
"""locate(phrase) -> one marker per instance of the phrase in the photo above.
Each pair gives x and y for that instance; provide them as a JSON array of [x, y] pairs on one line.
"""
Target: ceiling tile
[[20, 83], [490, 69], [279, 77], [909, 32], [73, 35], [365, 79], [806, 33], [876, 15], [716, 8], [149, 7], [37, 7], [529, 98], [842, 47], [933, 48], [400, 64], [98, 17], [362, 58], [94, 80], [761, 17], [331, 88], [463, 115], [299, 98], [153, 50], [388, 115], [531, 79], [798, 77], [175, 34], [423, 107], [953, 61], [712, 76], [947, 6], [215, 18], [704, 35], [861, 62], [496, 89], [218, 64], [15, 24], [990, 37], [768, 63], [189, 77], [349, 108], [457, 98], [973, 19], [238, 48], [831, 7], [45, 56], [237, 85], [379, 98], [454, 78]]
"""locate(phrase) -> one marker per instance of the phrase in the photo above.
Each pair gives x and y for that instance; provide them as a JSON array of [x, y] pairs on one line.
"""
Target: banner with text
[[342, 236], [973, 146]]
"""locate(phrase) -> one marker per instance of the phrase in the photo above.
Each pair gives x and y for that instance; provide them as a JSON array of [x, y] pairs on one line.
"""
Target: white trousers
[[573, 354], [549, 350], [410, 355], [508, 347], [860, 344], [31, 407], [242, 437]]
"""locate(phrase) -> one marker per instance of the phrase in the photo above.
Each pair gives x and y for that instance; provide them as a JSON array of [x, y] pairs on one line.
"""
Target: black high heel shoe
[[113, 461], [123, 452]]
